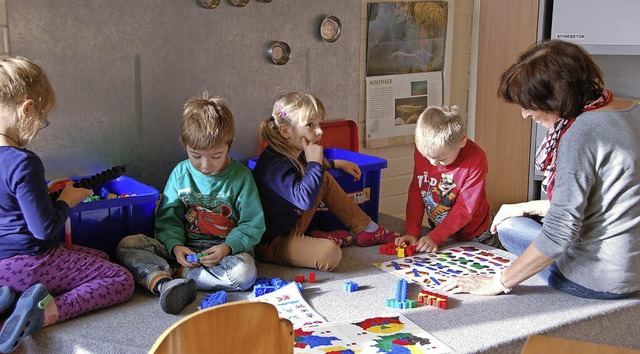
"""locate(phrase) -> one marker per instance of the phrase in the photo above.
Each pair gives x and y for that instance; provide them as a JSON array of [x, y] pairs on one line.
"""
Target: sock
[[371, 227], [158, 287]]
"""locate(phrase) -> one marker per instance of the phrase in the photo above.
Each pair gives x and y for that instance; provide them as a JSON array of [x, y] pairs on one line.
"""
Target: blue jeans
[[148, 259], [516, 234]]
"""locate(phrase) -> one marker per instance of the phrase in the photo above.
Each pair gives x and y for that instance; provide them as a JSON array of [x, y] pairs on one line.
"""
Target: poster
[[406, 44]]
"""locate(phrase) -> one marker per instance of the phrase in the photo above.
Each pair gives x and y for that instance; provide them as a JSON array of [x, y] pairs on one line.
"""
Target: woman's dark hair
[[552, 76]]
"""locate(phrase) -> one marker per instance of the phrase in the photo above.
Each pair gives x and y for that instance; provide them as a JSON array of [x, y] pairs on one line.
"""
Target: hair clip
[[272, 119], [282, 112]]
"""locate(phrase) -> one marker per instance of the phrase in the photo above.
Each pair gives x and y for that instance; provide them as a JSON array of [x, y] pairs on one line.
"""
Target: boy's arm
[[250, 226], [415, 204], [170, 217], [466, 203]]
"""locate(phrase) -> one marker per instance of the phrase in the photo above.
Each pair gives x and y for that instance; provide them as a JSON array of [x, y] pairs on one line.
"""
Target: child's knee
[[329, 258], [133, 241], [243, 271]]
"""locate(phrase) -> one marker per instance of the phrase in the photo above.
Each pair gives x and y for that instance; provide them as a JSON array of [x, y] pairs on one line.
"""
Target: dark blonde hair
[[22, 79], [437, 128], [290, 109], [207, 123], [553, 76]]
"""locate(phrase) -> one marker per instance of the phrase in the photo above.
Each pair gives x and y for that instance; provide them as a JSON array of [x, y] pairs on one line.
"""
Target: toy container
[[101, 224]]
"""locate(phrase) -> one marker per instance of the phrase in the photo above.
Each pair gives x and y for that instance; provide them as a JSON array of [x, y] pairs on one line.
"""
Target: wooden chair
[[236, 327], [540, 344]]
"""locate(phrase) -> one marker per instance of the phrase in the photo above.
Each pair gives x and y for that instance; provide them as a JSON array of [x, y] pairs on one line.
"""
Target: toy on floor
[[312, 277], [350, 286], [268, 285], [90, 182], [433, 299], [401, 251], [400, 301], [213, 299]]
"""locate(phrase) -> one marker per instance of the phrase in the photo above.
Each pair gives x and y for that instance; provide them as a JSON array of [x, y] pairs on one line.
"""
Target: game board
[[432, 270], [292, 306], [382, 334]]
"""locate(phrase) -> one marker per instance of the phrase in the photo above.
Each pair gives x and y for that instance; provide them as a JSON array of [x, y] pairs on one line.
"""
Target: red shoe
[[379, 237], [341, 237]]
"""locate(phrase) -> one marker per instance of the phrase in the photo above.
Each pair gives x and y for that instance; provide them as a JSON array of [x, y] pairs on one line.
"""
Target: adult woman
[[588, 243]]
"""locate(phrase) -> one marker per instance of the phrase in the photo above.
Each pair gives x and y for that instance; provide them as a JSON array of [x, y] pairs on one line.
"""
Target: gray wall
[[122, 70]]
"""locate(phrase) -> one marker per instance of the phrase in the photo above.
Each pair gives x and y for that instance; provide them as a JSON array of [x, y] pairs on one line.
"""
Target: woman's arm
[[534, 207]]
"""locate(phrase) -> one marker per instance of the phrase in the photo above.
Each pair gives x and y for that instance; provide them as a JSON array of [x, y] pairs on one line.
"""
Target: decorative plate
[[330, 29], [209, 4], [279, 52]]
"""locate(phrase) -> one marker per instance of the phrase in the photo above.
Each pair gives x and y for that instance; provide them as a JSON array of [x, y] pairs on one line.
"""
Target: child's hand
[[349, 167], [181, 252], [312, 151], [53, 185], [406, 239], [73, 196], [215, 254], [426, 244]]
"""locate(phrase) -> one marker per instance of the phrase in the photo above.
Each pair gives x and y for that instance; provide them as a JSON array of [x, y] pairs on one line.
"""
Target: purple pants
[[80, 279]]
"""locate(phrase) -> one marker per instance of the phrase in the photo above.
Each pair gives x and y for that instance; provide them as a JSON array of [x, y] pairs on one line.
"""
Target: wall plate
[[279, 52], [330, 29], [209, 4], [264, 0], [238, 3]]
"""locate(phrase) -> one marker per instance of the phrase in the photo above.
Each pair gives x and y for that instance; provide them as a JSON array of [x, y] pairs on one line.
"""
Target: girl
[[292, 181], [56, 283]]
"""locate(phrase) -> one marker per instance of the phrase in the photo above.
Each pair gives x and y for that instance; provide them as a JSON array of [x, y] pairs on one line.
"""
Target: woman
[[588, 243]]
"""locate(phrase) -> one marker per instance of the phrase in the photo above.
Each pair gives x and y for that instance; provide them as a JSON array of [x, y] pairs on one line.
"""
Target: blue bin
[[366, 191], [102, 224]]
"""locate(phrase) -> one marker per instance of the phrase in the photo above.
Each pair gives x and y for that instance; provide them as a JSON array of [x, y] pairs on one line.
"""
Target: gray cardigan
[[592, 227]]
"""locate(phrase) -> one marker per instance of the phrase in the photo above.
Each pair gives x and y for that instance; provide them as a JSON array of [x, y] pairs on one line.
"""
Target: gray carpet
[[472, 324]]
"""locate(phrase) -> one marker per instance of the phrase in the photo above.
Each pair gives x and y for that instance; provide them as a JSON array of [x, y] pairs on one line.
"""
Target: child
[[292, 181], [448, 180], [210, 205], [56, 283]]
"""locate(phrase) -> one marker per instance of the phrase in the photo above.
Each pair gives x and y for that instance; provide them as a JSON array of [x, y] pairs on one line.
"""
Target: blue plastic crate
[[102, 224], [366, 191]]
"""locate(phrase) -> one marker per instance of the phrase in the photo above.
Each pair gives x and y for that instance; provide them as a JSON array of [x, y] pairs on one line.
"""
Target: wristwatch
[[496, 282]]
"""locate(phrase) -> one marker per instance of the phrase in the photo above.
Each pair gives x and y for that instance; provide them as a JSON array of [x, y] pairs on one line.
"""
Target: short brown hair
[[207, 122], [552, 76]]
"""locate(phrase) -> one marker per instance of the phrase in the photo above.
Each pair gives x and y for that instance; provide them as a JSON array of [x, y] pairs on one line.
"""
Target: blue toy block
[[194, 257], [402, 288], [264, 285], [214, 299], [350, 286]]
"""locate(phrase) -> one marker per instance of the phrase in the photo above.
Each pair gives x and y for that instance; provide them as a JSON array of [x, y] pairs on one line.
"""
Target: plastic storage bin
[[102, 224], [365, 192]]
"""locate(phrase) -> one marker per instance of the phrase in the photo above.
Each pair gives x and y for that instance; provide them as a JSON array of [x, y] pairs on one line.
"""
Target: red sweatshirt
[[453, 196]]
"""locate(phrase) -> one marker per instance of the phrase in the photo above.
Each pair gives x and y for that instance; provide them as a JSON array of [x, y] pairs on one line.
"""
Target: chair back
[[236, 327]]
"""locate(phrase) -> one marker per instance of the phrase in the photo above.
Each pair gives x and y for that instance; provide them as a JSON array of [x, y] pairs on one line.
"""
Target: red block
[[312, 277], [299, 278]]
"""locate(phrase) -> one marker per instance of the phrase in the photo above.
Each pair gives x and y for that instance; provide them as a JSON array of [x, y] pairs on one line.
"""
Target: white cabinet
[[601, 27]]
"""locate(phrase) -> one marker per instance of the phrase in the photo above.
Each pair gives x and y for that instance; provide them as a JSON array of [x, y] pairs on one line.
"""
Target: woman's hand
[[349, 167], [506, 211], [472, 284], [53, 184]]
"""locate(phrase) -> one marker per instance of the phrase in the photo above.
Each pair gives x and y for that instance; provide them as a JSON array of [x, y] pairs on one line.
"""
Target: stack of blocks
[[400, 301], [194, 257], [268, 285], [401, 251], [214, 299], [433, 299]]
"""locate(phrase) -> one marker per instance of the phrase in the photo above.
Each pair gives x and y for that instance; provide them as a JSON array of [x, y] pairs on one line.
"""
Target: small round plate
[[264, 0], [330, 29], [209, 4], [279, 52], [238, 3]]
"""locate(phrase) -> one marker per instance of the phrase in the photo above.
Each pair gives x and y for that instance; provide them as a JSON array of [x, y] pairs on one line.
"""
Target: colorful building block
[[194, 257], [267, 285], [350, 286], [299, 278], [213, 299], [312, 277], [433, 299], [400, 301]]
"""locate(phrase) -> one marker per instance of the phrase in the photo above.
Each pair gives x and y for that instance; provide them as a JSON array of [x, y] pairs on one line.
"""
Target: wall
[[123, 69]]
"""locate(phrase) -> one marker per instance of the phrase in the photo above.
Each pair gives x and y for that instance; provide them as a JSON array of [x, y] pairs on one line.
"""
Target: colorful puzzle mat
[[383, 334], [292, 306], [432, 270]]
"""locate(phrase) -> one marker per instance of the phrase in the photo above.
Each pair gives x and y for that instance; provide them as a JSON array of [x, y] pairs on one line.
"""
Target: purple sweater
[[284, 193], [30, 223]]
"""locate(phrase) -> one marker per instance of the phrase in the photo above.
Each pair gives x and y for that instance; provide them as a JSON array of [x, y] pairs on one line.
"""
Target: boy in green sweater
[[209, 218]]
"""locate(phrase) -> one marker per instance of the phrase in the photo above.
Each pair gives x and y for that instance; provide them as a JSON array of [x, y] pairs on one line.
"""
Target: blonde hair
[[290, 109], [22, 79], [207, 123], [438, 127]]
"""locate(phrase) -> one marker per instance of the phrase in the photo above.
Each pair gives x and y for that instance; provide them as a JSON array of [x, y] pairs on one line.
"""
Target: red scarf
[[546, 156]]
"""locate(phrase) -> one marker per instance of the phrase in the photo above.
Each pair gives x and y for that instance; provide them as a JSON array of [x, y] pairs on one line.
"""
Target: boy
[[448, 181], [210, 210]]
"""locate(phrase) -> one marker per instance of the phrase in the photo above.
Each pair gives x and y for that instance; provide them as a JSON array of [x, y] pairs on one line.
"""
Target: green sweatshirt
[[224, 207]]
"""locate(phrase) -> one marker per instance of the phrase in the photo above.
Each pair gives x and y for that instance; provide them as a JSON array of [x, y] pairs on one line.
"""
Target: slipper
[[26, 318], [7, 298]]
